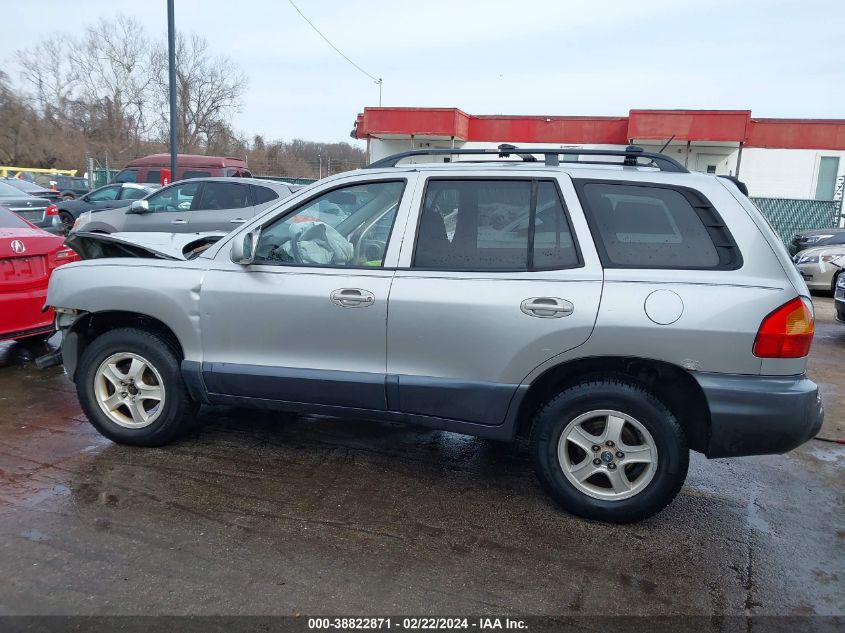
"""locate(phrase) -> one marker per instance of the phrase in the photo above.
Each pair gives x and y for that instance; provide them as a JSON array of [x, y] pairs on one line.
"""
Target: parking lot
[[265, 514]]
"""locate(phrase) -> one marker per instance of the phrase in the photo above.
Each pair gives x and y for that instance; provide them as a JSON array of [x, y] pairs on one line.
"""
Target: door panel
[[460, 343], [276, 334], [288, 330]]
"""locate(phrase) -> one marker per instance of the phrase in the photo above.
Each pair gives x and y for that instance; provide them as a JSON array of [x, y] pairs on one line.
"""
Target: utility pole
[[171, 63]]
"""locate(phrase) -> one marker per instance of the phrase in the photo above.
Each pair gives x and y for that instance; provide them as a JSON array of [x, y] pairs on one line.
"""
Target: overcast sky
[[556, 57]]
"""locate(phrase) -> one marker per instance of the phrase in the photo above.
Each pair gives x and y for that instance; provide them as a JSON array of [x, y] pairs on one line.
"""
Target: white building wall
[[784, 173]]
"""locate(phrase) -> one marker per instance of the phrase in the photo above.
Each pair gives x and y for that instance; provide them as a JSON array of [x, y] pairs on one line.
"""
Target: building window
[[826, 181]]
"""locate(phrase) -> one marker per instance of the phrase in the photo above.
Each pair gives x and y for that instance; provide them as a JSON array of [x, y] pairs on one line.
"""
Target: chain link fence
[[789, 216]]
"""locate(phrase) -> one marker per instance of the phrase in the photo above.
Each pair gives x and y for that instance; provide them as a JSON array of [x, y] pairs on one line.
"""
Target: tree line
[[104, 94]]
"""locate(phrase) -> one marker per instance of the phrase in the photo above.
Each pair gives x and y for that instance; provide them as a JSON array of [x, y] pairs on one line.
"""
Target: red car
[[28, 255]]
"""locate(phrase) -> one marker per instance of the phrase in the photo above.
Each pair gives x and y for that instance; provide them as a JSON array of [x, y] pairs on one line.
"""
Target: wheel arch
[[91, 325], [672, 385]]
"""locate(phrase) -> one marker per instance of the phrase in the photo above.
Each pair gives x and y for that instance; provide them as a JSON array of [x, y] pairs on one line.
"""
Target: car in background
[[39, 211], [33, 189], [28, 256], [817, 237], [816, 266], [190, 206], [106, 197], [68, 187], [149, 168]]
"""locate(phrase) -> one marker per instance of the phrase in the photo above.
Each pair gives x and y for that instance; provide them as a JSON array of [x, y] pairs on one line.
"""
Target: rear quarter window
[[656, 226], [261, 195]]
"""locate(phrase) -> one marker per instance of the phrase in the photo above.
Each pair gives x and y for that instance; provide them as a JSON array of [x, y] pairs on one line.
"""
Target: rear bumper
[[21, 315], [759, 415]]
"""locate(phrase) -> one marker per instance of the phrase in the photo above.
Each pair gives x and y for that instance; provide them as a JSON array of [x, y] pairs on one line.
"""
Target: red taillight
[[63, 256], [787, 332], [51, 210]]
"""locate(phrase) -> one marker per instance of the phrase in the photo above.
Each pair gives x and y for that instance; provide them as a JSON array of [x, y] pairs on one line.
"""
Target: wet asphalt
[[263, 513]]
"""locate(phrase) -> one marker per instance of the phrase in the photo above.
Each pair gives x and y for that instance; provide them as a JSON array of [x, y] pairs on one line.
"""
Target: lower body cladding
[[749, 415]]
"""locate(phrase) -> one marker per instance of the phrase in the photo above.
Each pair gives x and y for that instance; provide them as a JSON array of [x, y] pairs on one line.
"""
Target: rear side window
[[263, 194], [127, 175], [195, 174], [216, 196], [506, 225], [133, 193], [153, 176], [650, 226]]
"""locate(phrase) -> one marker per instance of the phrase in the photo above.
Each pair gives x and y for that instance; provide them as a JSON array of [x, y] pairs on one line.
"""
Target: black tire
[[68, 196], [178, 410], [833, 281], [630, 399], [67, 221]]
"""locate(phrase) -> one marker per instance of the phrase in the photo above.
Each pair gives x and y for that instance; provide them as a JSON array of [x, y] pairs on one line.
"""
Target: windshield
[[8, 191], [9, 220]]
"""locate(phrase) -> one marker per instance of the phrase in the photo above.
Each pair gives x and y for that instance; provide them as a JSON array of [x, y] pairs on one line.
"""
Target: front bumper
[[759, 415]]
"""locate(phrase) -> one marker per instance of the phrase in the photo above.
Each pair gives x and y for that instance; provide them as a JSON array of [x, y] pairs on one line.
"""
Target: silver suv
[[618, 311]]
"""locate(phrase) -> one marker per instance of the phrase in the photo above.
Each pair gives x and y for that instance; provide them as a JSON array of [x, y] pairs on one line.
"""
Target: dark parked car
[[38, 211], [68, 187], [817, 237], [107, 197], [32, 189]]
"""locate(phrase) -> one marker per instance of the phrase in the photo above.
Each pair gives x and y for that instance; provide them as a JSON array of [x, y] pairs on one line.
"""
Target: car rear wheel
[[609, 450], [131, 388]]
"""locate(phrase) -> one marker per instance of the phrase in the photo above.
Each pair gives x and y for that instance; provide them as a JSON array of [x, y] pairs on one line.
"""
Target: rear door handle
[[237, 221], [178, 221], [547, 307], [352, 298]]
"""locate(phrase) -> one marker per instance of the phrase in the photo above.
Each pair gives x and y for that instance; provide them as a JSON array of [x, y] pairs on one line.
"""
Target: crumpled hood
[[144, 245]]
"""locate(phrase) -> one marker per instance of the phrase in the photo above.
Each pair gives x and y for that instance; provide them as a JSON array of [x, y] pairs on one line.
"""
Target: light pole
[[171, 63]]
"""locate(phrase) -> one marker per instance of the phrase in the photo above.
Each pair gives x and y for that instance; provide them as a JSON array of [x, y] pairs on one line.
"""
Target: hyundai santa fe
[[617, 311]]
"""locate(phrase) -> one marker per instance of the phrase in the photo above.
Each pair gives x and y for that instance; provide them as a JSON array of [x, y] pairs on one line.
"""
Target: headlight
[[82, 220], [808, 259], [816, 238]]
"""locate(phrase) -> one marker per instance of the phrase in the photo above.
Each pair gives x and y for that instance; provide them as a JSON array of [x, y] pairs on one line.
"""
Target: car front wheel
[[609, 450], [131, 388]]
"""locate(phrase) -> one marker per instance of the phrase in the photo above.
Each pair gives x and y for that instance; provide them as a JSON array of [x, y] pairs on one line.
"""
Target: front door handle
[[237, 221], [547, 307], [352, 298], [178, 221]]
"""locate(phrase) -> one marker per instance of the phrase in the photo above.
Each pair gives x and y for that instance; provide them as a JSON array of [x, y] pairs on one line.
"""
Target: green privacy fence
[[789, 216]]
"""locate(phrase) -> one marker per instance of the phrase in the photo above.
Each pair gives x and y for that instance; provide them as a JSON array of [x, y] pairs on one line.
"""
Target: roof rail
[[631, 154]]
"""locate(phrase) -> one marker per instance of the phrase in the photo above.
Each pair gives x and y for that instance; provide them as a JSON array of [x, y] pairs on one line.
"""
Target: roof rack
[[631, 154]]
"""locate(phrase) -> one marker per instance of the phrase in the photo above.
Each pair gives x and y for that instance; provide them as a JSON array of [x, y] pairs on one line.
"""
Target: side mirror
[[139, 206], [243, 248]]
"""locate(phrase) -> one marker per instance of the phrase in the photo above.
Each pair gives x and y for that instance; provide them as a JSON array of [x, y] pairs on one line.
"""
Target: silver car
[[816, 266], [188, 206], [618, 314]]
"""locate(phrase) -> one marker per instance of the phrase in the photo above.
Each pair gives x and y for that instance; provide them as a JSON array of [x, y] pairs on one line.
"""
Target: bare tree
[[209, 91], [113, 81]]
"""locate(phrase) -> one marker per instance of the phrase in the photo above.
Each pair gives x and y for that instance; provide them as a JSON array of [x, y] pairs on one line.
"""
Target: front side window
[[178, 197], [106, 193], [349, 226], [153, 176], [506, 225], [127, 175], [648, 227], [216, 196]]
